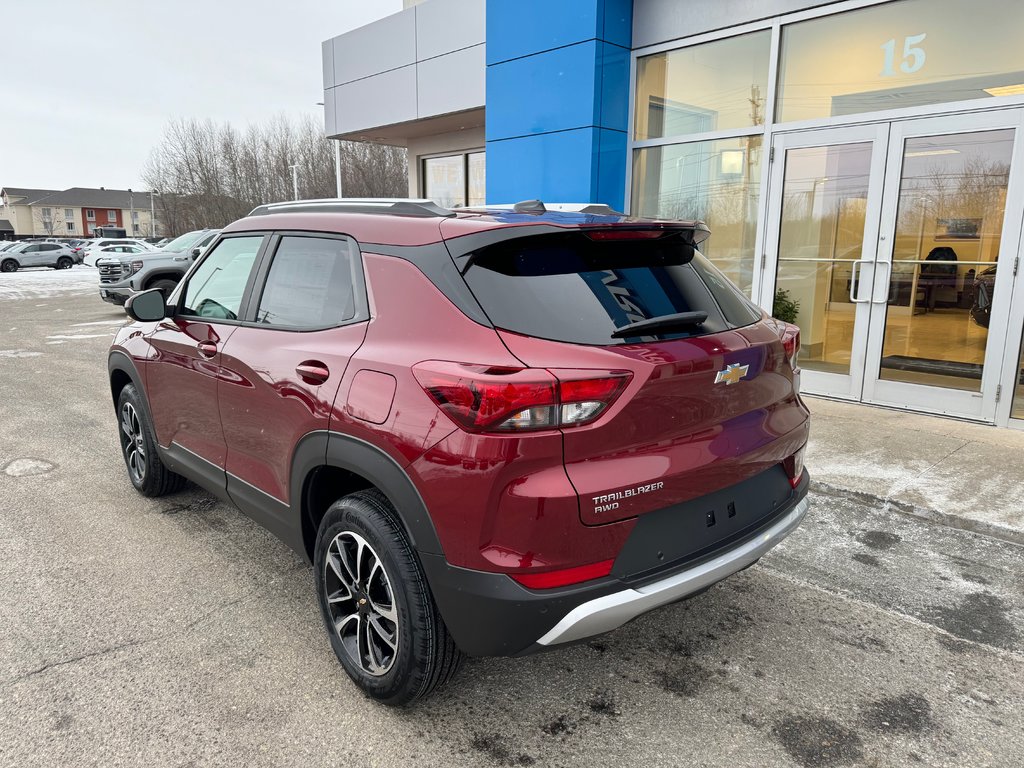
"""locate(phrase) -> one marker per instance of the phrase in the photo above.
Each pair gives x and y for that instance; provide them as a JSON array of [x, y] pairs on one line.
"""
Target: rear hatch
[[711, 399]]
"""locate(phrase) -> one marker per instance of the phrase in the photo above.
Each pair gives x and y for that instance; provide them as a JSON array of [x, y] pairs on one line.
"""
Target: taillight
[[791, 342], [795, 467], [481, 398], [565, 576]]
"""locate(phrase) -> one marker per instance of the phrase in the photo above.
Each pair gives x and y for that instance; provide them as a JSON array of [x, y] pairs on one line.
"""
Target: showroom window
[[715, 181], [718, 87], [905, 54], [708, 87], [455, 181]]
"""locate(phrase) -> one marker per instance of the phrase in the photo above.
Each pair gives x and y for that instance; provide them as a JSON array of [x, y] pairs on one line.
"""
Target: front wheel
[[138, 447], [376, 605], [64, 263], [9, 265]]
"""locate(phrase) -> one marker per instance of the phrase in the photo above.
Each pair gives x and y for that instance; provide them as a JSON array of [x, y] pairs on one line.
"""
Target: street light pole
[[337, 165], [131, 206], [295, 181]]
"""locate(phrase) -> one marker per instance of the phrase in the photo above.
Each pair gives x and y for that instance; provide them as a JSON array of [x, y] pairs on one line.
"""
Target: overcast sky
[[86, 86]]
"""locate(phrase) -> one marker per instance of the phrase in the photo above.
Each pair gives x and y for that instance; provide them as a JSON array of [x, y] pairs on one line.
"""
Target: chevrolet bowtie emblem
[[731, 374]]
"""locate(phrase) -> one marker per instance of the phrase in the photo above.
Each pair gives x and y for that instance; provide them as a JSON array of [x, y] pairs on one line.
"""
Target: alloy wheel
[[133, 442], [361, 603]]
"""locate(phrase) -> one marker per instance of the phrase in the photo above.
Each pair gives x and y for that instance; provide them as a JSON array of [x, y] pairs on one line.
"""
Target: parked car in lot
[[123, 276], [491, 431], [94, 249], [38, 254]]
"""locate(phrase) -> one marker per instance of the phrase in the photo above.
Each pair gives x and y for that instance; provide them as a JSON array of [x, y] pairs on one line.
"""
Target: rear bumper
[[611, 611], [489, 614]]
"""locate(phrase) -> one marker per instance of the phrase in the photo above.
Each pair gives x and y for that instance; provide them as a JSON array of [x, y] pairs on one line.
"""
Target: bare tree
[[50, 220], [209, 174]]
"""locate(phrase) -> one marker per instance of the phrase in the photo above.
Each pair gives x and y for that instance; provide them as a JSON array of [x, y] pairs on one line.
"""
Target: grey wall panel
[[443, 26], [658, 21], [378, 47], [451, 83], [383, 99], [327, 55], [330, 111]]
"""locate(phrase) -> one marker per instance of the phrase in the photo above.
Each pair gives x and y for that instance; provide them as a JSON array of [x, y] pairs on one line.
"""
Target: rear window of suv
[[569, 287]]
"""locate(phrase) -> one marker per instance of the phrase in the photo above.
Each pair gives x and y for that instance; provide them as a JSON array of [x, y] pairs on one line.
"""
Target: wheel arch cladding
[[329, 465]]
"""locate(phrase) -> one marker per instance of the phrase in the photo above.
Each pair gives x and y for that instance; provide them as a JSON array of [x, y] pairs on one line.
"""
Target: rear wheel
[[376, 605], [64, 263], [138, 447], [9, 265], [164, 286]]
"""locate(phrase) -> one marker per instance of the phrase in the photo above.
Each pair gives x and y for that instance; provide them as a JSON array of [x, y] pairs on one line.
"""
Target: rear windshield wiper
[[663, 323]]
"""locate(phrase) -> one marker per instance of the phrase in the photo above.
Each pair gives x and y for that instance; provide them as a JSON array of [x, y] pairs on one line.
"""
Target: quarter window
[[216, 288], [311, 284]]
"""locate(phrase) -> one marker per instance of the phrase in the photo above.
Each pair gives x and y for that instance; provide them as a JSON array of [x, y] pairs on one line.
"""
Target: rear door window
[[312, 283], [569, 287]]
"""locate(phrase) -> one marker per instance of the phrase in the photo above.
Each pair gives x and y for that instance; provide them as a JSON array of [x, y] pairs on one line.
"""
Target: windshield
[[184, 242]]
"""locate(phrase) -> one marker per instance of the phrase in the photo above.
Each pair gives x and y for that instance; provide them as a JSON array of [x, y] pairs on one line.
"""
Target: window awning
[[6, 226]]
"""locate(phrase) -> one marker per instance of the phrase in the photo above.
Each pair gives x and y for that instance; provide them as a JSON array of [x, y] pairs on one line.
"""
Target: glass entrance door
[[894, 247], [946, 262], [826, 190]]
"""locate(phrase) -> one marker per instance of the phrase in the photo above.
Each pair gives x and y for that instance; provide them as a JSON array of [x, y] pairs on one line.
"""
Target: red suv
[[491, 431]]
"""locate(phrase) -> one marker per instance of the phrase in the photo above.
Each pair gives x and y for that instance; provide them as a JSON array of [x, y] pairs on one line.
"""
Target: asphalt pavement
[[176, 632]]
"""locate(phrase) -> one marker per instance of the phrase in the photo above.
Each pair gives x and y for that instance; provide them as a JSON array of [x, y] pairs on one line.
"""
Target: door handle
[[855, 290], [207, 348], [312, 372]]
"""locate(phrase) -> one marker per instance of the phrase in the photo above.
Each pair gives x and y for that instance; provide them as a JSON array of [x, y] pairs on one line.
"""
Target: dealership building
[[860, 163]]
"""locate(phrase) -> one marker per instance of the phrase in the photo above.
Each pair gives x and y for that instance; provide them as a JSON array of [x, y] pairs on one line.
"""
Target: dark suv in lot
[[491, 431]]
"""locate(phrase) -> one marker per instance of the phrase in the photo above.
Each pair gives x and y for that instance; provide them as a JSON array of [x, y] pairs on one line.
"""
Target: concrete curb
[[1005, 533]]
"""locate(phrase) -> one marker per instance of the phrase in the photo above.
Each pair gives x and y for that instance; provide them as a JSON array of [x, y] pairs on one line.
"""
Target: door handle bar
[[855, 284]]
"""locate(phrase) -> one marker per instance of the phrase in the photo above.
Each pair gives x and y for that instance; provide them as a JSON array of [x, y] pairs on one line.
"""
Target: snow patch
[[119, 321], [28, 466], [81, 336], [18, 353], [44, 283]]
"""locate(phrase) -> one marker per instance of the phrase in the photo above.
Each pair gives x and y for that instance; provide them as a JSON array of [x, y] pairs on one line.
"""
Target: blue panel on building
[[612, 159], [558, 100], [526, 27], [552, 91], [551, 166]]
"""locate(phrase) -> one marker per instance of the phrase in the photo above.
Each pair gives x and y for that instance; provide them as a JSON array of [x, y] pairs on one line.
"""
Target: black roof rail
[[392, 206]]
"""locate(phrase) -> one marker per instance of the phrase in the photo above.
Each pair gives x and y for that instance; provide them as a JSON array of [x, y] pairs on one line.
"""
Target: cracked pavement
[[176, 632]]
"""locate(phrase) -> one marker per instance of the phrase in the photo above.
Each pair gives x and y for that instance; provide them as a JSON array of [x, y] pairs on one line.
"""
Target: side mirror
[[196, 252], [146, 307]]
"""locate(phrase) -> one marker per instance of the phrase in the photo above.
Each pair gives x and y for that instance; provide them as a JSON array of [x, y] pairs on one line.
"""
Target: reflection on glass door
[[821, 241], [948, 233]]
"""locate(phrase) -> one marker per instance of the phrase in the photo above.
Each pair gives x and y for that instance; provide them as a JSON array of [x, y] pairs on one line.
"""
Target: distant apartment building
[[74, 212]]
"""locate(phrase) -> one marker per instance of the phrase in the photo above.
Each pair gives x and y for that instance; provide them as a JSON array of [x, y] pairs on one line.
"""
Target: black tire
[[426, 656], [64, 262], [9, 265], [164, 286], [138, 448]]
